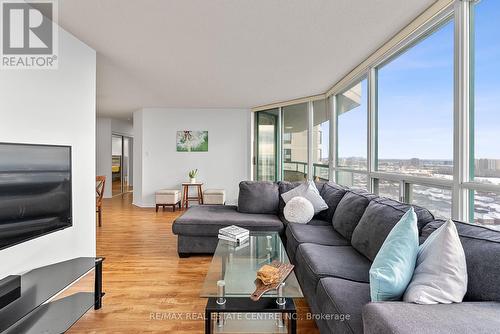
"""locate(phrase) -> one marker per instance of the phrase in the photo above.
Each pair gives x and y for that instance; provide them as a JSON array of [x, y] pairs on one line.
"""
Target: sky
[[415, 97]]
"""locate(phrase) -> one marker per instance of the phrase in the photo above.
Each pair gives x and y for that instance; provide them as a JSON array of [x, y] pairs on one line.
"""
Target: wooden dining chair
[[100, 182]]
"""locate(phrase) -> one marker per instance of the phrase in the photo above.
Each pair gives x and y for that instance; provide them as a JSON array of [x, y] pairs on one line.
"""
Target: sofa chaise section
[[260, 208], [198, 227]]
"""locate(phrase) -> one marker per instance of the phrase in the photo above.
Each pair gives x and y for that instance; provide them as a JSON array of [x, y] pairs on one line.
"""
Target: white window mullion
[[253, 148], [461, 152], [332, 111], [372, 122], [310, 144], [279, 149]]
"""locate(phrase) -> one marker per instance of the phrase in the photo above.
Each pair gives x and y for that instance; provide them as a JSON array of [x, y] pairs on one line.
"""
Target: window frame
[[371, 73], [465, 13], [462, 184], [357, 80]]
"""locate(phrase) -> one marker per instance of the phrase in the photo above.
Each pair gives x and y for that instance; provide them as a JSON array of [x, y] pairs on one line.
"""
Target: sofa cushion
[[378, 220], [461, 318], [482, 251], [258, 197], [349, 211], [314, 262], [332, 193], [344, 298], [319, 222], [297, 234], [206, 220]]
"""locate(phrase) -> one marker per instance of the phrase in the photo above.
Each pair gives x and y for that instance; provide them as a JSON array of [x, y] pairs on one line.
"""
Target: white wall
[[55, 107], [137, 162], [224, 165], [103, 152]]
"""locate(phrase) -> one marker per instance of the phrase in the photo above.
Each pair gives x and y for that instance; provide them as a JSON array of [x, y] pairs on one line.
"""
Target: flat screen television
[[35, 191]]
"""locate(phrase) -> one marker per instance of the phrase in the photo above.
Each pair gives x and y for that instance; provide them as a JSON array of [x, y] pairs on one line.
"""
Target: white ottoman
[[168, 197], [214, 196]]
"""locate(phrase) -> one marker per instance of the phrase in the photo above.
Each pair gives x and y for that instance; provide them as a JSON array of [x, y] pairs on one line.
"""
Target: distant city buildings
[[487, 167], [439, 201]]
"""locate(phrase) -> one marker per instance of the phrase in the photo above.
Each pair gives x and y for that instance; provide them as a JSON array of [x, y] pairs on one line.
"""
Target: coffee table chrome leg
[[220, 319], [281, 300], [221, 289], [280, 321]]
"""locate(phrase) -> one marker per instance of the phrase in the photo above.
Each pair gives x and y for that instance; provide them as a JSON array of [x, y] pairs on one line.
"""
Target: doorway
[[121, 164]]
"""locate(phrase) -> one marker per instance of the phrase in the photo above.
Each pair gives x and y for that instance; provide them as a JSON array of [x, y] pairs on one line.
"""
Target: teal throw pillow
[[392, 268]]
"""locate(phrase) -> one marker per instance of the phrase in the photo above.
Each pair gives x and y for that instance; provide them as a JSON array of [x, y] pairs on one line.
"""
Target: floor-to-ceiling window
[[415, 101], [352, 117], [389, 189], [321, 140], [485, 115], [415, 108], [421, 123], [295, 142], [267, 131]]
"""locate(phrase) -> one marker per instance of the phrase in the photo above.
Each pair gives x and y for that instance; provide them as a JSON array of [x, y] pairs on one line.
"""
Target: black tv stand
[[37, 311]]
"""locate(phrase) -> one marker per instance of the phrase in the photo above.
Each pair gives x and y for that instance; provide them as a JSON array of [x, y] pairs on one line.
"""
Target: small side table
[[186, 198]]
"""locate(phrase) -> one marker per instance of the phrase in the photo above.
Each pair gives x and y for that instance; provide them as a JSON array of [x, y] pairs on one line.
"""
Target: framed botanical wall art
[[192, 141]]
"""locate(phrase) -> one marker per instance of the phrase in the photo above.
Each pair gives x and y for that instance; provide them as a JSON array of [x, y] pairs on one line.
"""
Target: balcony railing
[[297, 171]]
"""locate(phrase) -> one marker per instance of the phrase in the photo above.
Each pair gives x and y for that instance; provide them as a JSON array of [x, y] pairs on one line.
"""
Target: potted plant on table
[[192, 175]]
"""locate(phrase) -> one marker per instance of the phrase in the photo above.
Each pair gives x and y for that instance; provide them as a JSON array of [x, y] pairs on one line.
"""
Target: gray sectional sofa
[[333, 254]]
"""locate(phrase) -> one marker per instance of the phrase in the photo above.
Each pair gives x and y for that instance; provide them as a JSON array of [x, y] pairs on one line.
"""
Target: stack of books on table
[[234, 234]]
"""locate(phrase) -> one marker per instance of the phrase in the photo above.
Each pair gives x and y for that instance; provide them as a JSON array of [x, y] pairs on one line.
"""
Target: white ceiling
[[227, 53]]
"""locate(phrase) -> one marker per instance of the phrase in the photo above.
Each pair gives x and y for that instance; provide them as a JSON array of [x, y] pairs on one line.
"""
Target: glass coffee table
[[230, 283]]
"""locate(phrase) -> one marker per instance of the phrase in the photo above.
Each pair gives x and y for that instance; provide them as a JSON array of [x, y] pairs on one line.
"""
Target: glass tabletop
[[237, 266]]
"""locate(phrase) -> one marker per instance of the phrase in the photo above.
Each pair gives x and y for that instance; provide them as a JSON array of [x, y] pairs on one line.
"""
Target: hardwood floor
[[142, 276], [116, 187]]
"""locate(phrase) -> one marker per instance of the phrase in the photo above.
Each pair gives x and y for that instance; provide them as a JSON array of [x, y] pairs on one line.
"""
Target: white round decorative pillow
[[298, 210]]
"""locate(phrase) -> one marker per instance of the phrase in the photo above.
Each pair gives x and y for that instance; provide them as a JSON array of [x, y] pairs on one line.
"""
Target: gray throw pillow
[[309, 191], [258, 197]]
